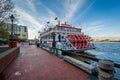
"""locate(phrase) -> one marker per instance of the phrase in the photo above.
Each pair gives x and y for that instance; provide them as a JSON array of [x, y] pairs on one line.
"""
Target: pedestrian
[[22, 44]]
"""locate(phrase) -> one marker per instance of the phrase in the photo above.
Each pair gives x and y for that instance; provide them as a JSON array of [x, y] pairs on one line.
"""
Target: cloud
[[71, 7], [49, 11], [32, 32], [35, 23], [83, 12], [31, 5], [96, 23], [93, 27], [27, 17], [93, 31], [50, 15]]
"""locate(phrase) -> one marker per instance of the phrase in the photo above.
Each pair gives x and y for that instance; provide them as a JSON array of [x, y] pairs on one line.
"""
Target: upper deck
[[63, 29]]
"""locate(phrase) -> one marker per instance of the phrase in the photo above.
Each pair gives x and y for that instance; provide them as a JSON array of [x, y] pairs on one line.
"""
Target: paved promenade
[[36, 64]]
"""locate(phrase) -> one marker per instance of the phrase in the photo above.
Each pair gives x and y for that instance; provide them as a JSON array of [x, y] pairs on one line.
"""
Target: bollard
[[59, 52], [54, 51], [106, 70], [50, 49]]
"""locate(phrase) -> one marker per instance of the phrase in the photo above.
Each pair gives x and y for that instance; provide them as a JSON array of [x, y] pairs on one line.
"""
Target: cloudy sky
[[97, 18]]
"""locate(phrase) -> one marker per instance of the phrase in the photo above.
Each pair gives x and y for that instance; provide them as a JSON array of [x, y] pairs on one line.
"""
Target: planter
[[7, 57]]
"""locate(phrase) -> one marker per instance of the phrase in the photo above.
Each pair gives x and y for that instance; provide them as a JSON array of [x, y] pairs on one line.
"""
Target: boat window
[[57, 28], [49, 37], [61, 29], [67, 29], [62, 37], [79, 30]]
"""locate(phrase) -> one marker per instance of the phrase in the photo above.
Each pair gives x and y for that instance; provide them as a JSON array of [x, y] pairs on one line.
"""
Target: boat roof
[[67, 26], [61, 26]]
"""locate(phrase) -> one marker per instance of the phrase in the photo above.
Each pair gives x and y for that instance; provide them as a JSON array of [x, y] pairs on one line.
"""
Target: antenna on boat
[[65, 22], [70, 21], [80, 25], [58, 22]]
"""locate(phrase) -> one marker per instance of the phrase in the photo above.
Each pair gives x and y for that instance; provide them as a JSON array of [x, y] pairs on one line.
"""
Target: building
[[21, 32]]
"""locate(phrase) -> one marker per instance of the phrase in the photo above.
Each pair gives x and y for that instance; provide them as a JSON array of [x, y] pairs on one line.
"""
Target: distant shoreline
[[105, 41]]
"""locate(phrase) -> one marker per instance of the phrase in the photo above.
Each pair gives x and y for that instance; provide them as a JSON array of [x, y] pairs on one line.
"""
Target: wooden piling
[[106, 70]]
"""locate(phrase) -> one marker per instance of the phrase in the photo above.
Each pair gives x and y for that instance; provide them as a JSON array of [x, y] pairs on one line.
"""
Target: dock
[[33, 63]]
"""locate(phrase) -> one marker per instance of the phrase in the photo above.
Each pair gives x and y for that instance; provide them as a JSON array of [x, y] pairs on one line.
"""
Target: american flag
[[48, 22], [56, 18]]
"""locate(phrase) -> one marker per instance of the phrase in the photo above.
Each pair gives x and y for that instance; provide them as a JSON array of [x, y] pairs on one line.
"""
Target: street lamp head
[[12, 17]]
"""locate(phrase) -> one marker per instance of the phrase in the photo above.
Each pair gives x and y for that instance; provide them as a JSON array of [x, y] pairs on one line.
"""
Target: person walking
[[22, 44]]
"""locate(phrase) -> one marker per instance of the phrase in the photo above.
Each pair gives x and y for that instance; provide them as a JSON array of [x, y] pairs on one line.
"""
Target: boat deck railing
[[62, 31], [101, 66], [55, 50]]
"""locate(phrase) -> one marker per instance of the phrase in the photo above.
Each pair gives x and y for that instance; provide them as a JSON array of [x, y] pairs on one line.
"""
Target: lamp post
[[12, 18], [39, 36], [54, 43]]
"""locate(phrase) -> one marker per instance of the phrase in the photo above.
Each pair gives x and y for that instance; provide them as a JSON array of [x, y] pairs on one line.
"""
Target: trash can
[[38, 45], [12, 43], [15, 43]]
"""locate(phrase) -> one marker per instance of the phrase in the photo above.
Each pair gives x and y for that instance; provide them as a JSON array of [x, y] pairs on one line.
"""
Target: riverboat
[[66, 37]]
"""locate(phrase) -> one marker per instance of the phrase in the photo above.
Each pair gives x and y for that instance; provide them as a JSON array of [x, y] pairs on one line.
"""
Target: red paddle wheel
[[79, 41]]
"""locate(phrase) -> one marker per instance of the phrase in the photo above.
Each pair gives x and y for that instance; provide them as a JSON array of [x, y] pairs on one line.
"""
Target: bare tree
[[6, 8]]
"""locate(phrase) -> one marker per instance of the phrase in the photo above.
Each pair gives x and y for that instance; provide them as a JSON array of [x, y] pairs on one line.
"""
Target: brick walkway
[[37, 64]]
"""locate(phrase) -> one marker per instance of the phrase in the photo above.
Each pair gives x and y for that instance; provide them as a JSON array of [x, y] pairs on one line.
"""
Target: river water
[[108, 50]]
